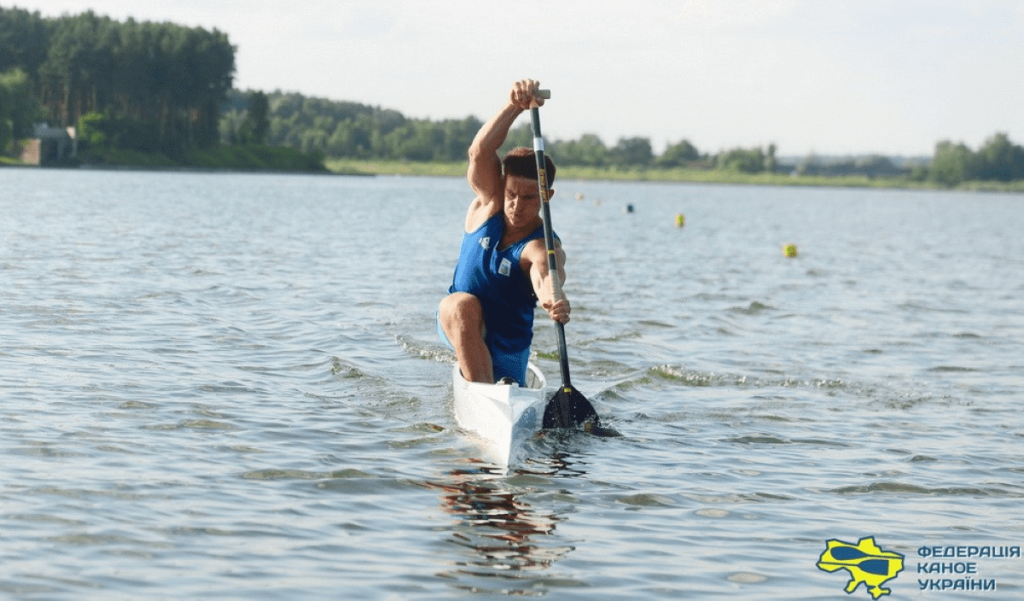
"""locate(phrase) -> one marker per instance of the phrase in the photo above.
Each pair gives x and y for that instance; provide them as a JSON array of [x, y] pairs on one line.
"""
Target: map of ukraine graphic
[[866, 562]]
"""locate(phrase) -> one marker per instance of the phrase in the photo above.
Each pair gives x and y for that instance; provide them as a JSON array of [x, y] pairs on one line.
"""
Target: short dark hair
[[522, 162]]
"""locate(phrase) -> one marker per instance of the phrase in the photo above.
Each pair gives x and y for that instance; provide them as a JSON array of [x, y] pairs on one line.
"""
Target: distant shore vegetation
[[131, 93], [353, 136], [160, 95]]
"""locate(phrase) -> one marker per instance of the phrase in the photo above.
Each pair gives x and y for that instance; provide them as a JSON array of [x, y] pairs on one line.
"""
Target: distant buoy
[[579, 196], [789, 250], [627, 209], [680, 220]]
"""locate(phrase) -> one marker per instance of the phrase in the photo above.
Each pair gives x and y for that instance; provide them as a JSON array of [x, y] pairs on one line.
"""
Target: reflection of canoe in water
[[501, 415]]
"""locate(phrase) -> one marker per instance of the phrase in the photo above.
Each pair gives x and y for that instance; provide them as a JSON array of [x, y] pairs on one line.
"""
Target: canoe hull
[[501, 416]]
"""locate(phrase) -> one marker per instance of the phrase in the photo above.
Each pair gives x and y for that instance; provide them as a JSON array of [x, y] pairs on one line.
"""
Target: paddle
[[567, 408]]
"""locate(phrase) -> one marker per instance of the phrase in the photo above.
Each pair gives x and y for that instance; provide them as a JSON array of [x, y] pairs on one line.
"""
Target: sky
[[825, 77]]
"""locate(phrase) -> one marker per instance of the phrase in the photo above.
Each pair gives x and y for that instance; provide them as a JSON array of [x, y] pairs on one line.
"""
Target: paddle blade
[[570, 409]]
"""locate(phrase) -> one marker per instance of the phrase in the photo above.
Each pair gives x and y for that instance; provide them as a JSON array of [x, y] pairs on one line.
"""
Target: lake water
[[229, 386]]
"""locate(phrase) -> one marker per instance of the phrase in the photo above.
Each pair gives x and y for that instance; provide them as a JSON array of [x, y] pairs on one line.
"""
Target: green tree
[[24, 40], [350, 139], [876, 165], [6, 124], [19, 108], [588, 151], [165, 79], [678, 155], [633, 152], [416, 140], [999, 159], [256, 123], [744, 160], [953, 163], [458, 135], [521, 135], [93, 131]]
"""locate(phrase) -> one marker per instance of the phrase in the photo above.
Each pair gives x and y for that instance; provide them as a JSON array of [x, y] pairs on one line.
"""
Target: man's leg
[[462, 319]]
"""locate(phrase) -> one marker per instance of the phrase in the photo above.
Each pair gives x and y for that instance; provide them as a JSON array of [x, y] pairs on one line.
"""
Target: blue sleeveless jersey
[[494, 276]]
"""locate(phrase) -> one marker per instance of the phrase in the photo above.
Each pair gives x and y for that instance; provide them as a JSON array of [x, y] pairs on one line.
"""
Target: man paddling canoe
[[487, 317]]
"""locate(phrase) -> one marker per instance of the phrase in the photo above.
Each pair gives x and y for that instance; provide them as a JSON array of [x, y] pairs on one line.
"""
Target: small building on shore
[[50, 146]]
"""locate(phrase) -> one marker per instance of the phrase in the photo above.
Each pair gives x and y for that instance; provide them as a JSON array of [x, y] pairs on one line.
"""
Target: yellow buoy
[[680, 220], [789, 250]]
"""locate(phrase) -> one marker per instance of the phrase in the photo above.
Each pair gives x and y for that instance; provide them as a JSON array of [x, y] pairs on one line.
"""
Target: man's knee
[[461, 311]]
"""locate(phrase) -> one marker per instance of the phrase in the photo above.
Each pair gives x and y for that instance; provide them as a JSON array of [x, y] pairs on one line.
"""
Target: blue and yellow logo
[[866, 562]]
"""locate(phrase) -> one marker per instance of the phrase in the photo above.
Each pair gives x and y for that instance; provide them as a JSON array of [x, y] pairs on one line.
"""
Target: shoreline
[[684, 176], [181, 169], [367, 168]]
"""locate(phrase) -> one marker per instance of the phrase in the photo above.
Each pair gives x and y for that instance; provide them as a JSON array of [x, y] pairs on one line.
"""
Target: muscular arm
[[484, 172], [547, 285]]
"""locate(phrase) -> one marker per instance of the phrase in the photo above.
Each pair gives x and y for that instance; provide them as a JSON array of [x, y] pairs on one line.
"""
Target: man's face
[[522, 201]]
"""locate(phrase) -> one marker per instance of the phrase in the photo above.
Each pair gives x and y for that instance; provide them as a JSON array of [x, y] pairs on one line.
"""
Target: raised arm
[[484, 172]]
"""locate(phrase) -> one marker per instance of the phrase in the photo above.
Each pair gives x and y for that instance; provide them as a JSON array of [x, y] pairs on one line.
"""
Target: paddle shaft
[[549, 236]]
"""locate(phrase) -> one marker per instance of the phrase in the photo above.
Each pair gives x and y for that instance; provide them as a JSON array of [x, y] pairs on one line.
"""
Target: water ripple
[[231, 386]]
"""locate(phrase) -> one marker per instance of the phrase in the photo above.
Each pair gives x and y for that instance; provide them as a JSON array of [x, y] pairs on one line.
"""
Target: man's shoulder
[[480, 211], [534, 250]]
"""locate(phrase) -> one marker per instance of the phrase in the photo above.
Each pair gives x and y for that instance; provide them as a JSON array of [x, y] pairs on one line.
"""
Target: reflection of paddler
[[501, 519]]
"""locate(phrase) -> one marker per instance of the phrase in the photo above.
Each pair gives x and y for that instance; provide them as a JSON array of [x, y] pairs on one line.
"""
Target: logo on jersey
[[485, 242], [505, 268]]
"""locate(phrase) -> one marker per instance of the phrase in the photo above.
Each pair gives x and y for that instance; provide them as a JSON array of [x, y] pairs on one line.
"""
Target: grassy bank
[[347, 166], [226, 158], [281, 159], [731, 177], [670, 175], [257, 158]]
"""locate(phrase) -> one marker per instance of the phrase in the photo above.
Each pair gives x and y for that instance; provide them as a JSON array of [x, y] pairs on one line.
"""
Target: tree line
[[340, 129], [349, 130], [153, 87], [997, 159], [18, 107]]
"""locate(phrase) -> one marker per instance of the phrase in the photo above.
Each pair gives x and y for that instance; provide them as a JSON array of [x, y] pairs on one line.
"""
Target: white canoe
[[501, 415]]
